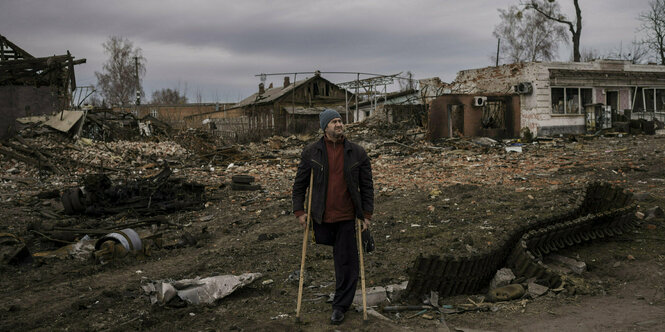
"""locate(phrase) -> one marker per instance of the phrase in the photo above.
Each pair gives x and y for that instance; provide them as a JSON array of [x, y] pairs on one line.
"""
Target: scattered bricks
[[535, 290], [502, 278], [375, 296], [576, 266]]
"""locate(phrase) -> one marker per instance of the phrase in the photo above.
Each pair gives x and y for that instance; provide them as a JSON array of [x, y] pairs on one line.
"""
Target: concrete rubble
[[535, 290], [502, 278], [576, 266]]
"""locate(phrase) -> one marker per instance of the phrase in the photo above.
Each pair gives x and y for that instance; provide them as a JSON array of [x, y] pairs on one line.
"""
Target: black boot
[[337, 317]]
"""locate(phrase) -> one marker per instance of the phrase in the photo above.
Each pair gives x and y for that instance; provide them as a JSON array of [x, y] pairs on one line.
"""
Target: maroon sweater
[[339, 206]]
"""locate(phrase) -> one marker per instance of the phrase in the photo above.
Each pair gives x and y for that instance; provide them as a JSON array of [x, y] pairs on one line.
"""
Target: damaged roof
[[18, 67], [9, 51], [272, 94]]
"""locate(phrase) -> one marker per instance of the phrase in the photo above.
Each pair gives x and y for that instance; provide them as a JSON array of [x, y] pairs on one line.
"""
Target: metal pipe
[[293, 102], [355, 118], [346, 104]]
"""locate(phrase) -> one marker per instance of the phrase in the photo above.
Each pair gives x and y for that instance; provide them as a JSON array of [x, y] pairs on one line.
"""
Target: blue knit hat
[[326, 116]]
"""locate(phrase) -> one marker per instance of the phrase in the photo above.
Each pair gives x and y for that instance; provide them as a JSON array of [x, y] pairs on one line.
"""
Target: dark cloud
[[216, 47]]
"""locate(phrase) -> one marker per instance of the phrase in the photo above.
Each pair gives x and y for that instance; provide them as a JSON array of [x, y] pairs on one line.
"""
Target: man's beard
[[336, 135]]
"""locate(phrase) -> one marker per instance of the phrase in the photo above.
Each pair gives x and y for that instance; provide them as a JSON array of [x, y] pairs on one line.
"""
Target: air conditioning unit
[[523, 88], [479, 101]]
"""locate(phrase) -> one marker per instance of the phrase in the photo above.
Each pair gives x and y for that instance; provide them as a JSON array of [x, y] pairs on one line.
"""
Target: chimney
[[262, 89], [287, 81]]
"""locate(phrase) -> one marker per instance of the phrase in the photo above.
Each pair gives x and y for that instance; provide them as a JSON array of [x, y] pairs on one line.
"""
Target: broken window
[[493, 114], [638, 95], [660, 100], [153, 112], [570, 100], [649, 99], [557, 101]]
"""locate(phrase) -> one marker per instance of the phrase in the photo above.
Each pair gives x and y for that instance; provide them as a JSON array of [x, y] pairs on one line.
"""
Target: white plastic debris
[[517, 149], [197, 291]]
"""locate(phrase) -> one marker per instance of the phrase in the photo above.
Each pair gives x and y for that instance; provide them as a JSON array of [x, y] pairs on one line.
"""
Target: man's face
[[335, 128]]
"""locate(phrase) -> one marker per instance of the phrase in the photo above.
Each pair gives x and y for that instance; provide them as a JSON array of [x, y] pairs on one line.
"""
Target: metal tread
[[601, 210]]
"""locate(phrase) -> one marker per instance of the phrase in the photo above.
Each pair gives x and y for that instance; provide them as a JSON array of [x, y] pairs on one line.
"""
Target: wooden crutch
[[304, 246], [362, 269]]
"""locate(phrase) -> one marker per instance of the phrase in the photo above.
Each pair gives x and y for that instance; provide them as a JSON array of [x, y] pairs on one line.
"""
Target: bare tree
[[118, 81], [590, 54], [168, 97], [653, 25], [528, 36], [637, 53], [554, 13]]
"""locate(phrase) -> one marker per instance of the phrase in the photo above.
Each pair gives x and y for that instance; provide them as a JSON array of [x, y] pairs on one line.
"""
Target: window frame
[[640, 92], [580, 106]]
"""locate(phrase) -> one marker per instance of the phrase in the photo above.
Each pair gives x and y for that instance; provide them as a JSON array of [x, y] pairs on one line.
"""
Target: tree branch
[[534, 6]]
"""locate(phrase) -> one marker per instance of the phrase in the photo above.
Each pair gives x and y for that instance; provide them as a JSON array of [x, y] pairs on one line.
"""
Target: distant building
[[32, 86], [548, 98], [395, 106], [179, 116], [275, 110]]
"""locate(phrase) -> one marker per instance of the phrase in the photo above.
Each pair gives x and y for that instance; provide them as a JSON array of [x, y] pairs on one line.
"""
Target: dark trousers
[[342, 236]]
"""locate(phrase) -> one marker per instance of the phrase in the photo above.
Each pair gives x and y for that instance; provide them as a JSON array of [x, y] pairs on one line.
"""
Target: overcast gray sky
[[216, 47]]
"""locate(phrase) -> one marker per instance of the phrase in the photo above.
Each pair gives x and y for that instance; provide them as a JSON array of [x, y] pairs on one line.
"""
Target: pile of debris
[[98, 124], [154, 195]]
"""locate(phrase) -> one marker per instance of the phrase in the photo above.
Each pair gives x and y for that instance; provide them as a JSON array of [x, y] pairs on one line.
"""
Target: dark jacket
[[357, 174]]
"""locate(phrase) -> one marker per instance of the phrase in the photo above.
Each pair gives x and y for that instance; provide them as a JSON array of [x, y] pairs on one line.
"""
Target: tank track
[[602, 210]]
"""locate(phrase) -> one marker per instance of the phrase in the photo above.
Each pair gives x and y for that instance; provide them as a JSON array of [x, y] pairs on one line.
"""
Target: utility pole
[[138, 83], [498, 44], [355, 118]]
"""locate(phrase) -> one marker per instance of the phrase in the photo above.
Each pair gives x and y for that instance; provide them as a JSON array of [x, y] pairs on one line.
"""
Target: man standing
[[342, 191]]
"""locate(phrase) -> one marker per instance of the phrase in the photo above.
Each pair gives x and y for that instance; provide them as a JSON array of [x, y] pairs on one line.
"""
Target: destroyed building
[[31, 86], [393, 107], [178, 116], [289, 108], [548, 98]]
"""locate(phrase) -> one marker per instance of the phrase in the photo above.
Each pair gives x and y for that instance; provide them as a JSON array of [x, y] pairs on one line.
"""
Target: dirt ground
[[430, 198]]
